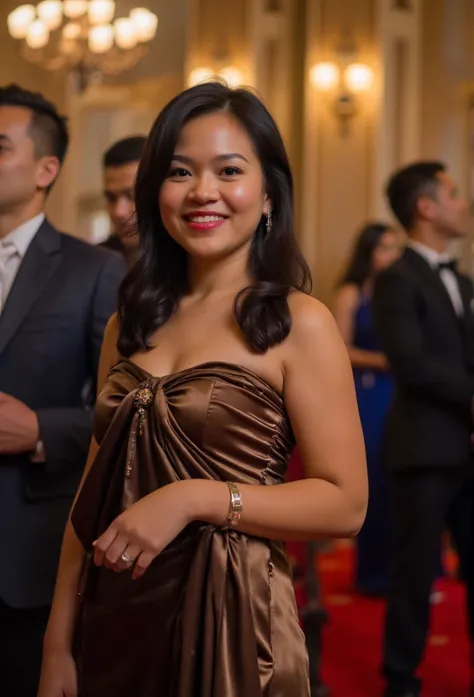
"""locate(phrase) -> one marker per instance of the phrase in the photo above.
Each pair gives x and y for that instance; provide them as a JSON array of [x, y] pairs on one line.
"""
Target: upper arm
[[345, 306], [320, 399], [109, 354]]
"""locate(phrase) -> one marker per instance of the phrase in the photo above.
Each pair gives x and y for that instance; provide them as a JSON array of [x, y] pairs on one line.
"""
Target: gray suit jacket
[[51, 332]]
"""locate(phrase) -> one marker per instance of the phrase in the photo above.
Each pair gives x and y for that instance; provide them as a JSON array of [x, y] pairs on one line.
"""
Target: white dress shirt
[[447, 276], [13, 248]]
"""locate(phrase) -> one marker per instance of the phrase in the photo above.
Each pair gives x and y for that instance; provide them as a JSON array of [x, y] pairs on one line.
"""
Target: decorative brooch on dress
[[143, 399]]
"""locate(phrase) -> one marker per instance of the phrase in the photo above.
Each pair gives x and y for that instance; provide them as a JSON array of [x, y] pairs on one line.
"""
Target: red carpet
[[352, 638]]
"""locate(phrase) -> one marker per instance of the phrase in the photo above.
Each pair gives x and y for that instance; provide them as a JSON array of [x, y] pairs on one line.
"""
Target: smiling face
[[214, 196]]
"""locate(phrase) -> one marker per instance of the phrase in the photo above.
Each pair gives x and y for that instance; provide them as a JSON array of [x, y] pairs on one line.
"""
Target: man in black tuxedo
[[423, 313], [120, 166], [56, 295]]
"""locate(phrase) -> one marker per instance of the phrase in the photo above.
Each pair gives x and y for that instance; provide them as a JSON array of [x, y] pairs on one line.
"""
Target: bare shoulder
[[314, 334], [310, 318]]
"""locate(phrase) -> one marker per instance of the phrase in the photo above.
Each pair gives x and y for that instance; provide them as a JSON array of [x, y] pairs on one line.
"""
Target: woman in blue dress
[[377, 246]]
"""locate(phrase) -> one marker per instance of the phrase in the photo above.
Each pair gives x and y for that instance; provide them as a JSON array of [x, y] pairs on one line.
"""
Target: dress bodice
[[223, 413]]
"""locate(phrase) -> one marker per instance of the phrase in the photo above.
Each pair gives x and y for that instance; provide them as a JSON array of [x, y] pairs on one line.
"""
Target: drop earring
[[269, 220]]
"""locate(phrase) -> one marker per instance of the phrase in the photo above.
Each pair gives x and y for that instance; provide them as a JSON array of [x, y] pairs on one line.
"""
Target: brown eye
[[231, 171], [178, 172]]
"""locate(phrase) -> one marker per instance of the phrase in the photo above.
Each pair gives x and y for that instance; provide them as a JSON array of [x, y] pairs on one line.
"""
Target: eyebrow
[[5, 137], [226, 156]]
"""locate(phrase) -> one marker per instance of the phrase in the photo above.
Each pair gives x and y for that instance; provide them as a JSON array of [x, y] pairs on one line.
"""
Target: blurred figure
[[56, 295], [377, 246], [120, 164], [422, 312]]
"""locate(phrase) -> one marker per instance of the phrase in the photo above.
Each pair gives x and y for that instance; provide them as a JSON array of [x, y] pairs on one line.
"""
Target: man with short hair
[[56, 296], [423, 313], [120, 164]]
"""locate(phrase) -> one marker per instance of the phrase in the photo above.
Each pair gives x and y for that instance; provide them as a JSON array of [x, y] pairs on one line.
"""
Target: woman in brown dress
[[173, 581]]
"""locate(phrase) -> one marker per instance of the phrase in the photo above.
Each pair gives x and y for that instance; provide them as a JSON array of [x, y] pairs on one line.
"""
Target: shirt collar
[[429, 254], [22, 236]]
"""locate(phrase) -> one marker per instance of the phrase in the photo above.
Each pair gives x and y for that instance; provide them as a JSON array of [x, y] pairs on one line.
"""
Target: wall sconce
[[232, 76], [350, 80]]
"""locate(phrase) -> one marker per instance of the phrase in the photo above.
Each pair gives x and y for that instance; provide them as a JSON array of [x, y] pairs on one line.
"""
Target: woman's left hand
[[139, 534]]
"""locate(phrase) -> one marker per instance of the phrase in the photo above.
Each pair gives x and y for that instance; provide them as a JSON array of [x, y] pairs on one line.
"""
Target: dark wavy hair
[[154, 286], [360, 263]]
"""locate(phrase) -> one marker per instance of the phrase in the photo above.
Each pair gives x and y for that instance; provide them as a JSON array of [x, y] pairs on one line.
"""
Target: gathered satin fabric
[[214, 615]]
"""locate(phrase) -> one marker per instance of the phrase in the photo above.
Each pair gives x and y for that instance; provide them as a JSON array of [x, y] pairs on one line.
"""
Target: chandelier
[[82, 36]]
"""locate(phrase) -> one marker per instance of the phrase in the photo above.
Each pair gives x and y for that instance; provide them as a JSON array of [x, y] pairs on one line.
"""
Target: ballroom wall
[[338, 176], [420, 53], [447, 91]]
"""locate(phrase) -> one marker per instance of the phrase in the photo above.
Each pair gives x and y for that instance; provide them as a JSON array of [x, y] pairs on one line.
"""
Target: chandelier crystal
[[82, 36]]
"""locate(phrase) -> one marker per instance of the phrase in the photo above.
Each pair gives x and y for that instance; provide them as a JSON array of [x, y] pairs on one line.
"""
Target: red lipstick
[[204, 220]]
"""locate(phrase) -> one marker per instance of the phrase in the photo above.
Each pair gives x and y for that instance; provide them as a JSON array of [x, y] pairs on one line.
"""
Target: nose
[[204, 189], [123, 209]]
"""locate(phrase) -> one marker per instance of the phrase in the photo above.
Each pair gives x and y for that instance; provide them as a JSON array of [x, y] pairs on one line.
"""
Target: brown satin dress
[[214, 615]]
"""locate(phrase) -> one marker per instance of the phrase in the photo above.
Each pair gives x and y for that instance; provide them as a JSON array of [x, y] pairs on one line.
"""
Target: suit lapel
[[40, 261], [466, 288], [433, 281], [467, 325]]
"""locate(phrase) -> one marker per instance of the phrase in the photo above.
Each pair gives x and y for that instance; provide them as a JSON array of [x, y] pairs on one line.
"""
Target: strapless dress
[[215, 614]]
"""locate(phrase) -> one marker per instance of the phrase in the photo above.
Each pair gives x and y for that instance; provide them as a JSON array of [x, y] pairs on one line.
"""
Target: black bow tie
[[451, 265]]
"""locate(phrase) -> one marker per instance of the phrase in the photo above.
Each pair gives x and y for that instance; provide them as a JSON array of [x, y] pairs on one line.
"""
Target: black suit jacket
[[51, 331], [431, 353], [113, 243]]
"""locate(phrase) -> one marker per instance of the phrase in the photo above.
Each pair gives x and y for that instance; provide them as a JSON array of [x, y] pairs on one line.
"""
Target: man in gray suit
[[56, 295]]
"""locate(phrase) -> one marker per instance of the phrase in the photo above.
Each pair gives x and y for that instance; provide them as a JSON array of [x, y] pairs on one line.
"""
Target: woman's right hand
[[58, 675]]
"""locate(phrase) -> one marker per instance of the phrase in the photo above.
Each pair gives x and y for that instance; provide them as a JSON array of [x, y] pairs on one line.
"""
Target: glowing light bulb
[[38, 34], [19, 21], [101, 38], [73, 9], [324, 76], [125, 33], [359, 77], [51, 13], [199, 75], [101, 11], [233, 76], [145, 22]]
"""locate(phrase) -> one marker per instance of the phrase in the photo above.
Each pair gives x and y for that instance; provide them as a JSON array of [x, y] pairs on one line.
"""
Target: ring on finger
[[126, 559]]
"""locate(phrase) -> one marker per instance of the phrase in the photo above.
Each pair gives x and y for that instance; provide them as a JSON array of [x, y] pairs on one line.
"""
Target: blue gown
[[374, 391]]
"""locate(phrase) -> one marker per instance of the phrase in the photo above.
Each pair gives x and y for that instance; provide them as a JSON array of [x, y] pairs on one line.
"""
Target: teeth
[[206, 218]]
